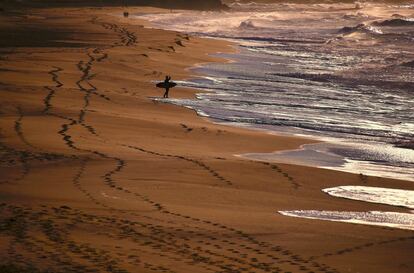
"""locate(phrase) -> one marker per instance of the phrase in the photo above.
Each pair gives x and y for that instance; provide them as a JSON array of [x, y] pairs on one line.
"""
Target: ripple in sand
[[376, 218], [395, 197]]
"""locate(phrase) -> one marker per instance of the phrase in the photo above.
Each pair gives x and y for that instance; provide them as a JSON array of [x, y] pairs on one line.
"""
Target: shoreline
[[91, 165], [368, 157], [297, 155], [293, 156]]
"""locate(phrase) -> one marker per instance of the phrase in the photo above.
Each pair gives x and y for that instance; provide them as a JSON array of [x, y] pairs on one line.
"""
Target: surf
[[316, 70]]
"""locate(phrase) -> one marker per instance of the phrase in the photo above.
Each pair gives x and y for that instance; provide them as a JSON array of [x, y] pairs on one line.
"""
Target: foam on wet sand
[[393, 197], [376, 218]]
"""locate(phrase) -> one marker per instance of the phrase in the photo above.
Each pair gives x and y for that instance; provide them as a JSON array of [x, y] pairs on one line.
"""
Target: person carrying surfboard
[[167, 86]]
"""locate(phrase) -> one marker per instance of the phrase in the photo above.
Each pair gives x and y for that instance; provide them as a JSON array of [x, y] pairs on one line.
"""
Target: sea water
[[388, 196], [341, 73]]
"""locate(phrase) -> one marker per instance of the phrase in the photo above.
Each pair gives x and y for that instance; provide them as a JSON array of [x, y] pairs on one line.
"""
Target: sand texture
[[96, 177]]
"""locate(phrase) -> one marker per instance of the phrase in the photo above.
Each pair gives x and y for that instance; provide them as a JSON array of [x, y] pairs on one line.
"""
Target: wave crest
[[248, 24], [397, 22], [361, 28]]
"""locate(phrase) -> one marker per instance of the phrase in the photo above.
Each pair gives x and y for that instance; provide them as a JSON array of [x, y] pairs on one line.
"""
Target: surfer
[[167, 86]]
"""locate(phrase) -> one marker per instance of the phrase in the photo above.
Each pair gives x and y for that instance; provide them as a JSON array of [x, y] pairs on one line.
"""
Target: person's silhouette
[[167, 86]]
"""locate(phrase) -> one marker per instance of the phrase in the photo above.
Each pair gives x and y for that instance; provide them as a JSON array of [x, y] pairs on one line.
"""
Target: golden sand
[[96, 177]]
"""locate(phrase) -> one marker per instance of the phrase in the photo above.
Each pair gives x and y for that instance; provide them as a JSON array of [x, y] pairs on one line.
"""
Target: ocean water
[[374, 218], [388, 196], [394, 197], [342, 73]]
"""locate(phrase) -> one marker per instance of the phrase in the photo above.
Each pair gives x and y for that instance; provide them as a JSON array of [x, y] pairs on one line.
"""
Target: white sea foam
[[375, 218], [374, 159], [395, 197]]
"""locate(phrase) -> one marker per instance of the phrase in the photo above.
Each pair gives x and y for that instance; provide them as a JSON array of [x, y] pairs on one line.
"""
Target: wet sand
[[96, 177]]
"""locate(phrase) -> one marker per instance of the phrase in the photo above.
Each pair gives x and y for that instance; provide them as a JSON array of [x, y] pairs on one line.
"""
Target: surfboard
[[163, 85]]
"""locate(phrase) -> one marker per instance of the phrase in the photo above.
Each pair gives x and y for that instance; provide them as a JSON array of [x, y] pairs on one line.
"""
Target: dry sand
[[96, 177]]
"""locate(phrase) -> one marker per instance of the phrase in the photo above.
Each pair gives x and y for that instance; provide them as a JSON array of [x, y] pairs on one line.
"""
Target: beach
[[338, 73], [97, 176]]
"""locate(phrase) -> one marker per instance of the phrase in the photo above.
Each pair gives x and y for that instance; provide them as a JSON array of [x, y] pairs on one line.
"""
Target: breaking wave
[[399, 22], [247, 24], [361, 28]]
